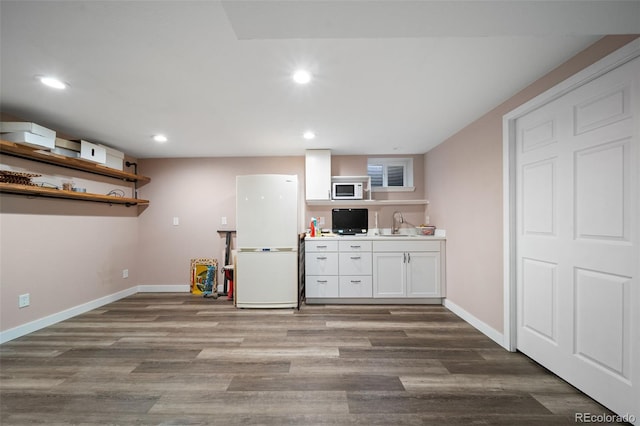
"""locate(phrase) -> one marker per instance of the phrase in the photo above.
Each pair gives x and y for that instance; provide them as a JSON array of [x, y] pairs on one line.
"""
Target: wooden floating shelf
[[22, 151], [39, 191]]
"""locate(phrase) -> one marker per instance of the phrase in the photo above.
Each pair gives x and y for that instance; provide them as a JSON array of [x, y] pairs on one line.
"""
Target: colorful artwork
[[204, 279]]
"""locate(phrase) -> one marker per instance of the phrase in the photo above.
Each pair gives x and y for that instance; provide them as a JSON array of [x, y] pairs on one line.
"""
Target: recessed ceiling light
[[160, 138], [53, 82], [302, 77], [308, 135]]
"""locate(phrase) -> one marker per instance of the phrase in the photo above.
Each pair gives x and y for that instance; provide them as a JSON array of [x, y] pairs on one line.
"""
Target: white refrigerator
[[266, 269]]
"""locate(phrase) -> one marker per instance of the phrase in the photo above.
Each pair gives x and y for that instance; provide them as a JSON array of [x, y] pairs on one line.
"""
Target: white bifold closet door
[[577, 243]]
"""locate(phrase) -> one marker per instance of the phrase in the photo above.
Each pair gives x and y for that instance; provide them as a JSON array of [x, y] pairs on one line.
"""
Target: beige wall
[[63, 253], [202, 191], [199, 192], [464, 186], [356, 165]]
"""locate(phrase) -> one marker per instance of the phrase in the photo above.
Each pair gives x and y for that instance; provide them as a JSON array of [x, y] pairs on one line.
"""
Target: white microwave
[[347, 191]]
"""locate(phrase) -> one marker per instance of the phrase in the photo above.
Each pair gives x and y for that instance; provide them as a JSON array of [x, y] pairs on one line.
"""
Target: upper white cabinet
[[317, 174], [318, 182]]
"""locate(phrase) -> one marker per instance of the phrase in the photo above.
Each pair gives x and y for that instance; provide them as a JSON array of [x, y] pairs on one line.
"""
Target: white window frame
[[406, 163]]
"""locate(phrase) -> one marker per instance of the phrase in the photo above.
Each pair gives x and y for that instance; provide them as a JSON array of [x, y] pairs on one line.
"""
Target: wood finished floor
[[178, 359]]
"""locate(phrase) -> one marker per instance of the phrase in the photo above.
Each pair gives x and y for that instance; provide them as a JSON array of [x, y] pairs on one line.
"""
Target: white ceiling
[[390, 77]]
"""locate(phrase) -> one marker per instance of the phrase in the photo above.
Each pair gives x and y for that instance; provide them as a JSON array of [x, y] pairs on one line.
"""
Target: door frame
[[614, 60]]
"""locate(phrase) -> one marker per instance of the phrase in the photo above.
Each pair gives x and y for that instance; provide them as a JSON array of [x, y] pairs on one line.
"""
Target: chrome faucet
[[395, 226]]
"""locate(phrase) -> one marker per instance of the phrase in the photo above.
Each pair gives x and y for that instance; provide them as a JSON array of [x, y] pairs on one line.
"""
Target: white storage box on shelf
[[25, 126], [65, 152], [30, 139], [115, 158], [67, 148], [93, 152], [67, 144]]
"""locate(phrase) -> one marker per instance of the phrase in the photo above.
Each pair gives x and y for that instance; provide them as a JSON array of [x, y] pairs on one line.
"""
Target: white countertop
[[376, 236]]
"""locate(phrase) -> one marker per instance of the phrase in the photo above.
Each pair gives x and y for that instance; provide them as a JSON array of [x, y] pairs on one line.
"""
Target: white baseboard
[[481, 326], [174, 288], [38, 324], [30, 327]]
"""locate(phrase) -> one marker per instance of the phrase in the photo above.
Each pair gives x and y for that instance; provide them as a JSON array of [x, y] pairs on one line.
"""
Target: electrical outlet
[[176, 221], [223, 220], [125, 273], [321, 220], [23, 300]]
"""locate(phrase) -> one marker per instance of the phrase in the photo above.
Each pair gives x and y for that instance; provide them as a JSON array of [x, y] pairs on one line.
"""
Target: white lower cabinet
[[354, 267], [321, 263], [321, 286], [414, 272], [423, 274], [406, 274], [374, 269], [356, 286], [389, 274], [321, 269]]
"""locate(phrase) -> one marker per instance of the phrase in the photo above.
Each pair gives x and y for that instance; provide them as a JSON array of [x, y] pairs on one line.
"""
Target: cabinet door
[[319, 245], [355, 246], [389, 274], [423, 274], [355, 263], [356, 286], [321, 263], [318, 174], [321, 286]]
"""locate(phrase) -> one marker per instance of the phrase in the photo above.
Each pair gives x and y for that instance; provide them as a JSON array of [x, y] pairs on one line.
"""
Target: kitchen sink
[[386, 232], [404, 233]]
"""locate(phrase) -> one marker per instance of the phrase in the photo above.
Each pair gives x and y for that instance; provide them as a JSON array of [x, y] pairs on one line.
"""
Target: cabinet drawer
[[356, 286], [354, 246], [320, 246], [321, 263], [355, 263], [405, 245], [321, 286]]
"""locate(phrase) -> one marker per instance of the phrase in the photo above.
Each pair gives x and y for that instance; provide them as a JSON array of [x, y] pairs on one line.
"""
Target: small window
[[390, 173]]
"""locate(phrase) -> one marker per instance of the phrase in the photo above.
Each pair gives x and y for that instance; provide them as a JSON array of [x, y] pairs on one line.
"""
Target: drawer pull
[[356, 281], [321, 246], [355, 257], [321, 257], [321, 281], [355, 246]]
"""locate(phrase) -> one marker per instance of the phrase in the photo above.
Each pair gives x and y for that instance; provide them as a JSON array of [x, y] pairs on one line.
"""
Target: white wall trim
[[480, 325], [614, 60], [174, 288], [30, 327]]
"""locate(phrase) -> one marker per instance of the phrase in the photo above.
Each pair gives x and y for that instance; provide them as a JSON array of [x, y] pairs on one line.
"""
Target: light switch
[[223, 220], [176, 221]]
